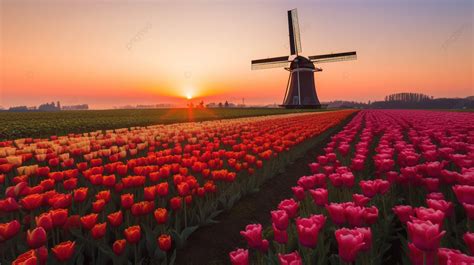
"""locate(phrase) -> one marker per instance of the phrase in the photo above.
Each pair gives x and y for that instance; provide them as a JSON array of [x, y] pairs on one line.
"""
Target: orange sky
[[110, 53]]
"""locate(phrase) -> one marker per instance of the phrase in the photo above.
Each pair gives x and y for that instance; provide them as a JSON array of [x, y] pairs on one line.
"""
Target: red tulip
[[98, 230], [162, 189], [403, 212], [9, 230], [70, 184], [320, 196], [149, 193], [36, 237], [308, 229], [64, 250], [176, 203], [292, 258], [239, 257], [132, 234], [164, 242], [115, 219], [183, 189], [59, 217], [371, 215], [119, 246], [126, 200], [349, 242], [469, 240], [73, 221], [32, 201], [103, 195], [27, 258], [161, 215], [88, 221], [44, 220], [60, 200], [80, 194], [98, 206], [289, 206], [108, 181], [424, 234], [280, 219], [9, 205]]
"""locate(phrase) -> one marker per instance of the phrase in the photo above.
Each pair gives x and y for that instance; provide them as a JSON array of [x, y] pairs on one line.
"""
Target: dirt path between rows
[[211, 244]]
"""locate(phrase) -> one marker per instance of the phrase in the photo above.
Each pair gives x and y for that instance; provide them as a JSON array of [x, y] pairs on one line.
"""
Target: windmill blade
[[270, 63], [333, 57], [294, 31]]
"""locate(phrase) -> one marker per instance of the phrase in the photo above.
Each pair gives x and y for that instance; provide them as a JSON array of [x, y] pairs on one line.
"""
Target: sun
[[189, 96]]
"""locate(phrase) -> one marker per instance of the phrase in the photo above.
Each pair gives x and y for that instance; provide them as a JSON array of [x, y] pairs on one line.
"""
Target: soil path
[[211, 244]]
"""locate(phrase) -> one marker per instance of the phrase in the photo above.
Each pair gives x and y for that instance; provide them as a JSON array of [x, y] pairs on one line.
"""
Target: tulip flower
[[64, 251], [320, 196], [239, 257], [446, 207], [164, 242], [115, 219], [176, 203], [367, 233], [298, 192], [27, 258], [403, 212], [308, 229], [425, 214], [59, 217], [126, 200], [336, 212], [9, 230], [289, 206], [98, 230], [98, 206], [349, 242], [36, 237], [44, 220], [31, 202], [469, 208], [280, 236], [88, 221], [80, 194], [280, 219], [132, 234], [161, 215], [469, 240], [292, 258], [119, 246], [464, 193], [418, 257], [253, 235], [359, 199], [424, 234]]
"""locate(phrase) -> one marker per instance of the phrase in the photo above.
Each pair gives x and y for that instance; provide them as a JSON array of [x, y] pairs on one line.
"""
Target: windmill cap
[[301, 62]]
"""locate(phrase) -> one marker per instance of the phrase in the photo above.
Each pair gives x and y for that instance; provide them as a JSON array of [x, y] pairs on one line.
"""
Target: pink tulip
[[320, 196], [292, 258], [280, 236], [308, 229], [289, 206], [349, 242], [403, 212], [253, 234], [239, 257], [469, 240], [424, 234], [280, 219]]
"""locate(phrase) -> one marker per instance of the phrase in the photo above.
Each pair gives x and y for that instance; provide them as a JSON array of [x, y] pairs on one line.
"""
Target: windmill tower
[[300, 88]]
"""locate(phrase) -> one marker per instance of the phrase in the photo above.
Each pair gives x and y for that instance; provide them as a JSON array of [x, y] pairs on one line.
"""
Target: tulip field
[[135, 195], [392, 187]]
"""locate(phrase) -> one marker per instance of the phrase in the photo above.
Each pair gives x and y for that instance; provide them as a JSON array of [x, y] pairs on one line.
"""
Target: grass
[[43, 124]]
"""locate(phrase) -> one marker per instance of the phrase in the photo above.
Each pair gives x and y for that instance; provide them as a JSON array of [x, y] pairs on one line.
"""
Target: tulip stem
[[424, 257]]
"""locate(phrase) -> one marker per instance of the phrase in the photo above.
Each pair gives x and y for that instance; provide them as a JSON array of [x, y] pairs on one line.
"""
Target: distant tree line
[[408, 97]]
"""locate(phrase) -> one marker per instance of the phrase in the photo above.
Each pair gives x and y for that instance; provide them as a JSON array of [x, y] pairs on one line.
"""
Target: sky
[[113, 53]]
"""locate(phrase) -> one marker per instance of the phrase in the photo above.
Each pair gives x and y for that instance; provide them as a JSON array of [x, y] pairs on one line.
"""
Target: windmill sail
[[333, 57], [294, 32], [270, 63]]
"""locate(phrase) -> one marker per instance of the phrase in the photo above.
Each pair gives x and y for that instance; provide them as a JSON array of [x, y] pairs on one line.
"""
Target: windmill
[[300, 89]]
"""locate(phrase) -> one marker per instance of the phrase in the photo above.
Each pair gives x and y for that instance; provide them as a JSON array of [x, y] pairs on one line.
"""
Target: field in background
[[43, 124]]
